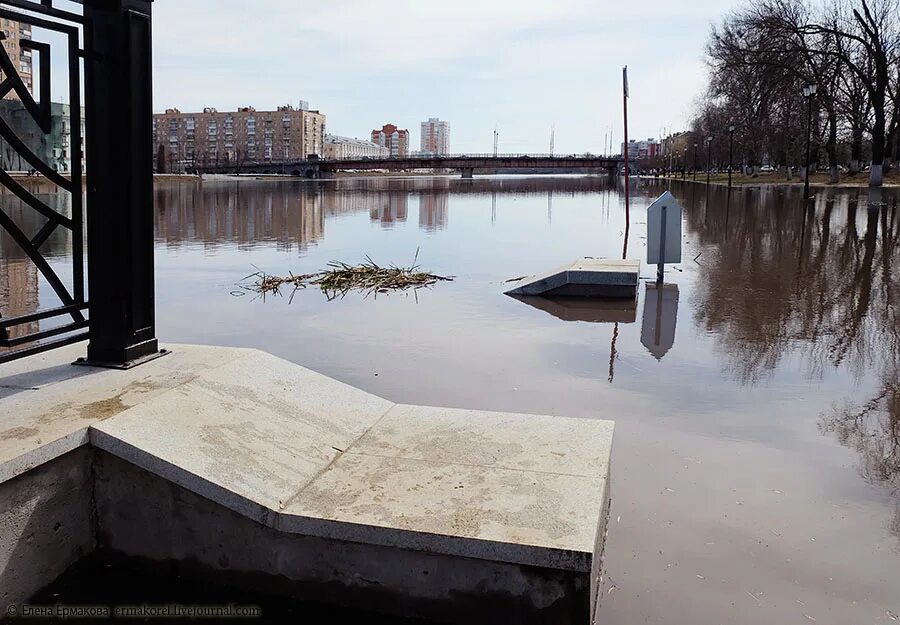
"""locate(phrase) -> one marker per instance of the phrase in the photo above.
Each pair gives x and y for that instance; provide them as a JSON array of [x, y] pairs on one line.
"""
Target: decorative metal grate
[[28, 338]]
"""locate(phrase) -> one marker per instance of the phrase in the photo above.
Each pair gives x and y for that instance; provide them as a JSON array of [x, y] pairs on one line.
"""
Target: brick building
[[210, 138], [12, 34], [392, 138]]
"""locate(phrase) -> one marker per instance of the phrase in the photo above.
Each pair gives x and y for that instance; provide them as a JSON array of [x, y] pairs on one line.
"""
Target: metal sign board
[[664, 230]]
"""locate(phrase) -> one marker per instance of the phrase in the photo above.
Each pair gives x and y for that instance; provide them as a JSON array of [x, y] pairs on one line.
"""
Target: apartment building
[[57, 149], [12, 34], [435, 137], [183, 141], [346, 147], [639, 150], [392, 138]]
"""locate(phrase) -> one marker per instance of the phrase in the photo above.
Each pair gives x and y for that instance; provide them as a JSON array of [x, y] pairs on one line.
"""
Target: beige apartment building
[[435, 137], [392, 138], [13, 32], [184, 141], [347, 147]]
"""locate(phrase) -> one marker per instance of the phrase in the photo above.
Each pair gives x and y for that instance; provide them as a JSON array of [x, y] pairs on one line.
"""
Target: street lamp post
[[694, 167], [809, 93], [730, 152], [708, 148]]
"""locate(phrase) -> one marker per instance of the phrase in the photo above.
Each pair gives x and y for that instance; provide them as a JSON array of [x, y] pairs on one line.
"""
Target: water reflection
[[19, 277], [814, 280], [786, 349], [660, 317], [584, 308], [293, 214]]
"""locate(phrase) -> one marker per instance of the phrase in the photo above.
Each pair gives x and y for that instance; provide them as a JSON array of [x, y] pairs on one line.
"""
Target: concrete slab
[[248, 434], [47, 405], [585, 277], [523, 442], [303, 455], [503, 515]]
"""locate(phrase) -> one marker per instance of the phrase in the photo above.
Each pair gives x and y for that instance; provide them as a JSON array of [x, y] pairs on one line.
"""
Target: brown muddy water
[[756, 468]]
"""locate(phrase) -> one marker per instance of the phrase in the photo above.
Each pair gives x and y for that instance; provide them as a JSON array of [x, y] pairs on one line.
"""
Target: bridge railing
[[473, 155]]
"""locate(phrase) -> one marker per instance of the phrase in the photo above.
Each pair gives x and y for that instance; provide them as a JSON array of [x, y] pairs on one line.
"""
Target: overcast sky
[[522, 65]]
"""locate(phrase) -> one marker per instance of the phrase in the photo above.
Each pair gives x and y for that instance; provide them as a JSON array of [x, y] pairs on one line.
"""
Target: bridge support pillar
[[467, 173]]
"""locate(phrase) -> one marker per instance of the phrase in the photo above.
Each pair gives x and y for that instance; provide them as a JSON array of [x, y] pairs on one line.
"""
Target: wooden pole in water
[[625, 155]]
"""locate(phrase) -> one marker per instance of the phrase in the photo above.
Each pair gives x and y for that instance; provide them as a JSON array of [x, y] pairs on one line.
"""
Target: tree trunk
[[856, 148]]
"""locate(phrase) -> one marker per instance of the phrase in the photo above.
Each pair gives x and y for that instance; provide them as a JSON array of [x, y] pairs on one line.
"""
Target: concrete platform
[[585, 277], [242, 465]]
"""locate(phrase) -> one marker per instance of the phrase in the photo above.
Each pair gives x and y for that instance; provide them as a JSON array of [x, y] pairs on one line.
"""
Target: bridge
[[466, 164]]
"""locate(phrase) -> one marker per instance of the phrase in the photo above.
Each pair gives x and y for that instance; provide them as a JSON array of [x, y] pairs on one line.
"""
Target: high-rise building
[[210, 138], [12, 34], [435, 137], [392, 138]]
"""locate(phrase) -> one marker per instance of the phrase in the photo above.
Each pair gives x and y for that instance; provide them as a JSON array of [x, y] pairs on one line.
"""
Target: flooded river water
[[756, 466]]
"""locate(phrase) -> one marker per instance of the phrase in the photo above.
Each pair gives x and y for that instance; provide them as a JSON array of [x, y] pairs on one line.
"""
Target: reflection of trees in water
[[872, 429], [783, 279], [817, 282]]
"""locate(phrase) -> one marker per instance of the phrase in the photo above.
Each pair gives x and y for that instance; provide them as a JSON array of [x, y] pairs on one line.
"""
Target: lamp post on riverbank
[[730, 152], [694, 166], [708, 148], [809, 93]]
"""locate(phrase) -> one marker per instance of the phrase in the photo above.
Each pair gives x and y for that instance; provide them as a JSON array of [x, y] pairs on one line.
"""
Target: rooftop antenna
[[552, 133], [496, 136]]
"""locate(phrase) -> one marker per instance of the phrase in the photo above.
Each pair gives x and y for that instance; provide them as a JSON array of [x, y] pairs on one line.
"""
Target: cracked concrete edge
[[36, 456]]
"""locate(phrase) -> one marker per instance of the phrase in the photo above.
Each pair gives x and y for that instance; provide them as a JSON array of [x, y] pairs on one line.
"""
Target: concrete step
[[240, 465]]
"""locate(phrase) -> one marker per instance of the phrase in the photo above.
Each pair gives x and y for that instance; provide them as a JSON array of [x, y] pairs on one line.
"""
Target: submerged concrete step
[[585, 277]]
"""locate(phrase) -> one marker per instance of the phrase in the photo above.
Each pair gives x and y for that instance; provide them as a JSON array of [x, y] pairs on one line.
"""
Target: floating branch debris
[[341, 278]]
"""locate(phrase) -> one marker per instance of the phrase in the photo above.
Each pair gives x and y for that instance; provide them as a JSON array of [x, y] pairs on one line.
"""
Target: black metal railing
[[107, 49]]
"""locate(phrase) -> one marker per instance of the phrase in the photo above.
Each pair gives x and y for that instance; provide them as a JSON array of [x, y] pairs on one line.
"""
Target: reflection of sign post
[[663, 233], [660, 315]]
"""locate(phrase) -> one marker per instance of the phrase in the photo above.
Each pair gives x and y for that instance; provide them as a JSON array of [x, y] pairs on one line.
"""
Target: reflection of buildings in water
[[18, 295], [390, 208], [59, 244], [239, 213], [19, 276], [434, 211], [292, 213], [660, 318]]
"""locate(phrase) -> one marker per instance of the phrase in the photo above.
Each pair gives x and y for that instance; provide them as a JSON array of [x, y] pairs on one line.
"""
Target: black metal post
[[730, 154], [119, 112], [808, 136], [708, 149]]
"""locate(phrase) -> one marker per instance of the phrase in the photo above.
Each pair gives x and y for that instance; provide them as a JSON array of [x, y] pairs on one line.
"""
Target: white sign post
[[663, 233]]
